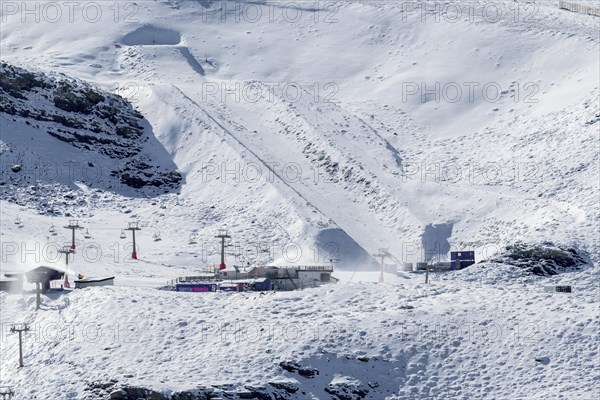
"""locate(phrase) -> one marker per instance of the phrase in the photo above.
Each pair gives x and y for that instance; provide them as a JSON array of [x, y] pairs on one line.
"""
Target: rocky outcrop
[[101, 126], [543, 258]]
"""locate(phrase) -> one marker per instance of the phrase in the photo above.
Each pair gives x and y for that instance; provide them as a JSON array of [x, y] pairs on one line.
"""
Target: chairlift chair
[[157, 237], [122, 236], [87, 234], [52, 229], [18, 221]]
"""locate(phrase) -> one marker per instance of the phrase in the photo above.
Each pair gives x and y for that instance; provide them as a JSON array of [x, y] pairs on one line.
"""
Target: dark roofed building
[[44, 275]]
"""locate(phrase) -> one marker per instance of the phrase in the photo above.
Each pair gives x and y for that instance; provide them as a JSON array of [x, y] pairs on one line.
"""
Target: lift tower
[[383, 254], [66, 251], [133, 226], [73, 226], [222, 235]]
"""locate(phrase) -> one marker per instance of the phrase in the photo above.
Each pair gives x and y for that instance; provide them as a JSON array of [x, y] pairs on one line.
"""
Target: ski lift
[[18, 221], [192, 239], [52, 229], [156, 236], [123, 236], [87, 234]]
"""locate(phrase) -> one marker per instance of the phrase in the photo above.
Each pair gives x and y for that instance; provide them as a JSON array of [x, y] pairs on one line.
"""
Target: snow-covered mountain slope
[[72, 133], [314, 132], [336, 113]]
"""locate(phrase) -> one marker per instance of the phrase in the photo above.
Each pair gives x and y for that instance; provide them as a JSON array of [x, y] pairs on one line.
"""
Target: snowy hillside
[[340, 112], [314, 133]]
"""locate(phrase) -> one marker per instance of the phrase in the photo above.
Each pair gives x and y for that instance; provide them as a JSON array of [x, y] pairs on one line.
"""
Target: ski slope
[[315, 133]]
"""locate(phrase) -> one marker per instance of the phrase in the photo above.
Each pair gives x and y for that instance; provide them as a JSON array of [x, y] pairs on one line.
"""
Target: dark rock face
[[87, 115], [149, 176], [285, 386], [68, 98], [289, 366], [112, 391], [135, 393], [346, 391], [543, 258], [98, 124], [308, 372], [252, 393]]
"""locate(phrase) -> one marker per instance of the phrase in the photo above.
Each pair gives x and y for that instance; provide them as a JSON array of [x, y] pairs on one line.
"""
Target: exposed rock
[[544, 258], [119, 394], [249, 393], [289, 366], [136, 393], [308, 372], [197, 394], [346, 391], [86, 118], [288, 387]]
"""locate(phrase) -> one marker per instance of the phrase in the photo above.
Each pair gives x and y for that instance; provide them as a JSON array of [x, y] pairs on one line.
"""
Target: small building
[[422, 266], [44, 276], [206, 276], [260, 278], [233, 272], [196, 287], [90, 282], [442, 266], [263, 284], [311, 276], [232, 287], [301, 276], [461, 259]]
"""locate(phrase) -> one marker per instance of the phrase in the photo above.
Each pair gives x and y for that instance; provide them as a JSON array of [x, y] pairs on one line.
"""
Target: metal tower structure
[[222, 235], [20, 328], [73, 226], [383, 253], [133, 226], [66, 250]]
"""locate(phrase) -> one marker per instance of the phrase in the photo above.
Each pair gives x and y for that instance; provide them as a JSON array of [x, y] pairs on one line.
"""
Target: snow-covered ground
[[465, 335], [314, 131]]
